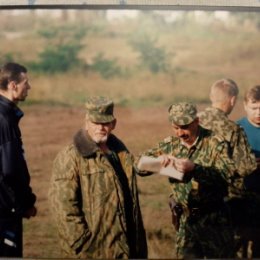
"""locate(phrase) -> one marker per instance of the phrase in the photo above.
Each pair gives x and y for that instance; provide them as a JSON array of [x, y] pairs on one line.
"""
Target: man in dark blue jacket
[[16, 197]]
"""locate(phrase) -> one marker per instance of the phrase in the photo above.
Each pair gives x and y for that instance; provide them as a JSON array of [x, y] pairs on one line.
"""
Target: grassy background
[[198, 53]]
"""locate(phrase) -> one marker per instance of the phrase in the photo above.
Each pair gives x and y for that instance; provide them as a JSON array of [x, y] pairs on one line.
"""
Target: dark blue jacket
[[15, 192]]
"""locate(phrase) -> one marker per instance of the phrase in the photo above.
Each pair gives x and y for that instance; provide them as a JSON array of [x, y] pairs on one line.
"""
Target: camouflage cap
[[182, 113], [100, 109]]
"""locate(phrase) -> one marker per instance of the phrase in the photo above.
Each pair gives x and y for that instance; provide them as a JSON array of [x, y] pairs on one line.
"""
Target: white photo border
[[229, 5]]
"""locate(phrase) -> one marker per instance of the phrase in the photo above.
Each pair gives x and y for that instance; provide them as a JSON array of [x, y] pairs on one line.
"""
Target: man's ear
[[233, 100], [114, 124], [12, 85]]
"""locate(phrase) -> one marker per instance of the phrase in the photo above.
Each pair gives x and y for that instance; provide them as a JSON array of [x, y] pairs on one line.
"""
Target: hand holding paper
[[162, 165]]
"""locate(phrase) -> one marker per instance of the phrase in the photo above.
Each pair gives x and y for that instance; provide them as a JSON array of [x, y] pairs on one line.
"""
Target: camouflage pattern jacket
[[204, 191], [89, 202], [238, 147], [214, 170]]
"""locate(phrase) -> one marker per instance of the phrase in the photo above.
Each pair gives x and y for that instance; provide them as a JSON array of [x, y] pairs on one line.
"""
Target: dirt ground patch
[[47, 129]]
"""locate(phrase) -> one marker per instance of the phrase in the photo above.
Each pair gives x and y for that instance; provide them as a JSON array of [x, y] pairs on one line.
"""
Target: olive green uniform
[[238, 146], [205, 229], [94, 200], [244, 205]]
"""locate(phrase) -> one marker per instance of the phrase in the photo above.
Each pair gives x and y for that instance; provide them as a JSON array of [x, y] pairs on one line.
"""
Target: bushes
[[106, 67], [62, 51], [56, 59], [64, 43], [62, 46], [151, 57]]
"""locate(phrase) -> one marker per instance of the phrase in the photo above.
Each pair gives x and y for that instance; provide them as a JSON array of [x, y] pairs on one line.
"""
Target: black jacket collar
[[7, 106]]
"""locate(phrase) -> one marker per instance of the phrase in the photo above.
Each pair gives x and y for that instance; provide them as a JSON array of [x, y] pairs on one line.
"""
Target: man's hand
[[184, 165], [31, 212], [181, 164], [166, 160]]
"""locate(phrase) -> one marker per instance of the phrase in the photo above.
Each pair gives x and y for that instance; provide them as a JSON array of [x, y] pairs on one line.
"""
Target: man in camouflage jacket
[[93, 192], [204, 229], [223, 95]]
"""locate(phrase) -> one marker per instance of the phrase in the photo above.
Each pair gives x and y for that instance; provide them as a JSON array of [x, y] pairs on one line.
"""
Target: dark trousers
[[11, 237], [245, 214], [209, 235]]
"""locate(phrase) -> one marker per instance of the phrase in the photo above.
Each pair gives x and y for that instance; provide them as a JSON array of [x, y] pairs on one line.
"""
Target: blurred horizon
[[138, 57]]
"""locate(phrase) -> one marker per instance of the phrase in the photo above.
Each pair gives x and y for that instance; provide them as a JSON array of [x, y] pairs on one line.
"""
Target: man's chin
[[100, 140], [185, 139], [257, 121]]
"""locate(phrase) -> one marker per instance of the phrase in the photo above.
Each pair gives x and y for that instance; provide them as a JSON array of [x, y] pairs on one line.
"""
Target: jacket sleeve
[[15, 174], [66, 202], [242, 154], [222, 176]]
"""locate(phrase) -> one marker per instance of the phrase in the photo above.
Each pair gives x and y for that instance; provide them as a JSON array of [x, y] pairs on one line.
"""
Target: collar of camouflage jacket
[[87, 147]]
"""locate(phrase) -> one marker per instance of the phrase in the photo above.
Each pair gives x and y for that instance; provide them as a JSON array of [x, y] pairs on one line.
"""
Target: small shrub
[[152, 57], [106, 67], [62, 51], [58, 59]]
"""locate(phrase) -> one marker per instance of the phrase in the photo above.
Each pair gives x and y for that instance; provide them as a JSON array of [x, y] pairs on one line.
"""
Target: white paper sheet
[[151, 164]]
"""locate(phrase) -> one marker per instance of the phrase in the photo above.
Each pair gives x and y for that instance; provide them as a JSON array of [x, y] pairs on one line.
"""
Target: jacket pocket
[[96, 189]]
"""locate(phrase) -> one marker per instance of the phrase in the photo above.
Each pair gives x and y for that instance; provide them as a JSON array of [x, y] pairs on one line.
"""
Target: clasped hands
[[183, 165]]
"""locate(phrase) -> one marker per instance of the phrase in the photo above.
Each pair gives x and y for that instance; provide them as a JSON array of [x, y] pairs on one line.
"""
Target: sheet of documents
[[151, 164]]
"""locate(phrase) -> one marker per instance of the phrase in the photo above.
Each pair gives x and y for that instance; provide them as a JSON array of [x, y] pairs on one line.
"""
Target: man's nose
[[101, 126], [180, 132]]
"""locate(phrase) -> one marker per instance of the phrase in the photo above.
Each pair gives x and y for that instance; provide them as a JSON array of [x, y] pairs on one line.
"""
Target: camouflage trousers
[[206, 236]]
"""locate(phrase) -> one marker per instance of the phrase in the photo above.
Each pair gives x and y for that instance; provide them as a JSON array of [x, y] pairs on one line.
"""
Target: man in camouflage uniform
[[93, 193], [203, 229], [223, 95]]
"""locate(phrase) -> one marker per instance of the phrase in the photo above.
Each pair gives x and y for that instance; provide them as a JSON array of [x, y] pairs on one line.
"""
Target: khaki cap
[[100, 109], [182, 113]]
